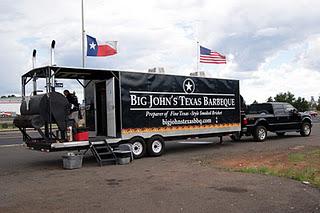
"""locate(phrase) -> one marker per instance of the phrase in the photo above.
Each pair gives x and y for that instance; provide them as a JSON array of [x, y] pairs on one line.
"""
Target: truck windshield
[[260, 108]]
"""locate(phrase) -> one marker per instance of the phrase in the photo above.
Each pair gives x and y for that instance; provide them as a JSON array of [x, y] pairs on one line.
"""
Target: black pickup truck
[[275, 117]]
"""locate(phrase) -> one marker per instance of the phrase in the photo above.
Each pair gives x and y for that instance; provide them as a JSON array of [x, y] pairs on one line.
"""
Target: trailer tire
[[139, 147], [155, 146]]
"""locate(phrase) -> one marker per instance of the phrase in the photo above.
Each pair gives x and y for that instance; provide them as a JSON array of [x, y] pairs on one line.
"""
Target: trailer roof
[[88, 73], [71, 73]]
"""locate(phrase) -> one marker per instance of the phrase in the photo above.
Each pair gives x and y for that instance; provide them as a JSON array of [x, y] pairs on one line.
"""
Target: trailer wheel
[[138, 147], [155, 146], [260, 133]]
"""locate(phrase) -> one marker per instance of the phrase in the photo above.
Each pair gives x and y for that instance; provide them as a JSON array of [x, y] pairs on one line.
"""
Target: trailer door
[[111, 112]]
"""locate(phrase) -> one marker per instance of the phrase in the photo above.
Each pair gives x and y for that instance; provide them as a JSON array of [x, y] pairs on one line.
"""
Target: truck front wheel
[[305, 129], [155, 146], [138, 147], [260, 133]]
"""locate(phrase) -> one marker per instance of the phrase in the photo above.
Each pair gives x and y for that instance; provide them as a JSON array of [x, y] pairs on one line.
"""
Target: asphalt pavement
[[33, 181]]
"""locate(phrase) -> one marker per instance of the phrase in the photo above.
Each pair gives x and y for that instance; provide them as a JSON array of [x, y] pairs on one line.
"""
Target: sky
[[271, 46]]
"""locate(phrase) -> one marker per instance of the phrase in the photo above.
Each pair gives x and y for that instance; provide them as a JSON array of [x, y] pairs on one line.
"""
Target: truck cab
[[277, 117]]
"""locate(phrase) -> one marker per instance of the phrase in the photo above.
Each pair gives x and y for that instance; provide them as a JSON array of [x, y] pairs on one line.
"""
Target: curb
[[11, 145], [9, 130]]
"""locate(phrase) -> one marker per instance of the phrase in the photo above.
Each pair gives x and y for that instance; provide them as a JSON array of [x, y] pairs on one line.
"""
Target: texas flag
[[105, 49]]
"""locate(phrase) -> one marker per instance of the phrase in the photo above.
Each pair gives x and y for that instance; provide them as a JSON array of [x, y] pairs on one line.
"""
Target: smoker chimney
[[53, 43], [34, 54], [34, 79]]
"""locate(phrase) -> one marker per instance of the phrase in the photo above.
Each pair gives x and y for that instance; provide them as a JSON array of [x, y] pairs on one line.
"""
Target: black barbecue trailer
[[143, 109]]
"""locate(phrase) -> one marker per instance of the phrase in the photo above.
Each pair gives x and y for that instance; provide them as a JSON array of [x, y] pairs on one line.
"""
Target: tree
[[270, 99], [301, 104], [285, 97], [255, 102], [318, 104]]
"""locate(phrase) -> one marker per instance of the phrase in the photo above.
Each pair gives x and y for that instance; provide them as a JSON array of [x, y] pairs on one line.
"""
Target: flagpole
[[83, 34], [197, 56]]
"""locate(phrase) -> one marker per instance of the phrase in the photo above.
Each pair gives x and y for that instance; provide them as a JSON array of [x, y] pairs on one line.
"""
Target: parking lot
[[178, 181]]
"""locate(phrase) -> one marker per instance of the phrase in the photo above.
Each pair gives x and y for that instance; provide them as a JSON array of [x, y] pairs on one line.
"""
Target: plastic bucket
[[123, 161], [72, 161]]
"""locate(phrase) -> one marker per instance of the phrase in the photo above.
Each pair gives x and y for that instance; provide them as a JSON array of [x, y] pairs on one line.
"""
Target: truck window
[[260, 108], [289, 108], [279, 109]]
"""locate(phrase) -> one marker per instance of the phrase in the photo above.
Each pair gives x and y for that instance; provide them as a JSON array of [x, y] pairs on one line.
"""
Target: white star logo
[[189, 86], [92, 45]]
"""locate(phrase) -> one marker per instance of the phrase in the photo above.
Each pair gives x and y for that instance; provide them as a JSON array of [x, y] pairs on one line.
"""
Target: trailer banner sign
[[168, 102]]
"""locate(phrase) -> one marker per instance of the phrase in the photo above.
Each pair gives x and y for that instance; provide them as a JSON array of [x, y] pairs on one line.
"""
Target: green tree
[[318, 104], [255, 102], [270, 99], [301, 104], [285, 97]]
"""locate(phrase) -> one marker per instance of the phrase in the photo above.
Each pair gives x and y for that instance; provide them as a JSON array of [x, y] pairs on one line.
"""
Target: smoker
[[43, 110]]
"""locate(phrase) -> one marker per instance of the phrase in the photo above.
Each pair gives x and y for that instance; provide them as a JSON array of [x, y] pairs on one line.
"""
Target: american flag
[[209, 57]]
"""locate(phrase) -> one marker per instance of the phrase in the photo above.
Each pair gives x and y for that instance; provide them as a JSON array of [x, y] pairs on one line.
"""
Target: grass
[[310, 175], [296, 157], [7, 126], [300, 166]]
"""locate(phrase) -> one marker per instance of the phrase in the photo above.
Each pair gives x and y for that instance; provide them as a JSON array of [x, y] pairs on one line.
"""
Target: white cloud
[[270, 45]]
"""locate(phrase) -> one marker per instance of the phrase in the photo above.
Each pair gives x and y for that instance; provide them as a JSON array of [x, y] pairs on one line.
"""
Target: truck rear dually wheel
[[138, 147], [155, 146], [260, 133], [305, 129]]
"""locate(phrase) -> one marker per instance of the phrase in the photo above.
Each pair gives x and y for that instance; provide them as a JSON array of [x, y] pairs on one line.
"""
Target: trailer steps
[[103, 153]]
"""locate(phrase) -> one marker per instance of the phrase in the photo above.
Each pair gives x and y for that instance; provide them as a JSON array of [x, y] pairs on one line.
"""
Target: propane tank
[[69, 133]]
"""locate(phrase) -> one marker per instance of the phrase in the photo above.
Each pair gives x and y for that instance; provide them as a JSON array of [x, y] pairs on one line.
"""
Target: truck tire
[[260, 133], [305, 129], [139, 147], [155, 146]]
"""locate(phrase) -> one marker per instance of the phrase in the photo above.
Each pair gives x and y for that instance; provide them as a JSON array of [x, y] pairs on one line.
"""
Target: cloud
[[309, 58], [268, 44]]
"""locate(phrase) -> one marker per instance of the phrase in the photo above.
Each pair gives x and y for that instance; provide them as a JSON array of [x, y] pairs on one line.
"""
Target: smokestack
[[34, 54], [53, 43], [34, 79]]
